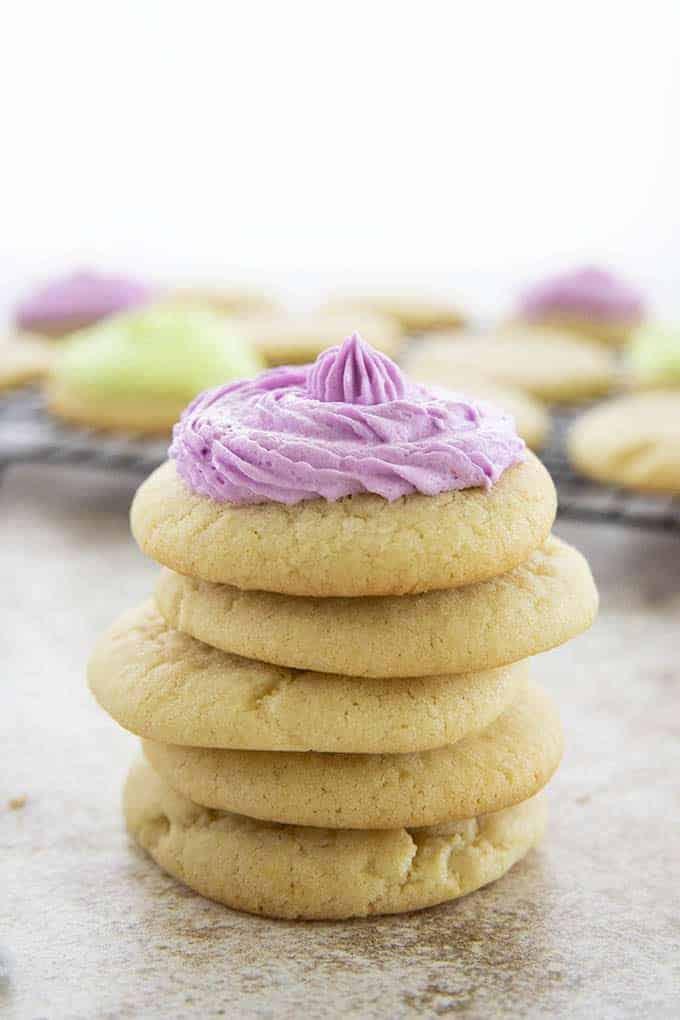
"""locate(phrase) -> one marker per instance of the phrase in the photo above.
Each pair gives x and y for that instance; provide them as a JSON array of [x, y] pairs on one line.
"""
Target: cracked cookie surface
[[297, 872], [356, 546], [165, 685], [506, 763]]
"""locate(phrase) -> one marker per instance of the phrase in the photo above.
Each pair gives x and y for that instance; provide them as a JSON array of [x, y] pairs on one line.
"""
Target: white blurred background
[[462, 147]]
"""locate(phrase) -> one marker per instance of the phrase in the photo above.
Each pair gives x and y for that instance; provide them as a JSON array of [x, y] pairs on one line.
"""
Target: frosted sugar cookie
[[136, 372], [343, 478], [590, 302], [507, 762], [80, 299], [294, 872]]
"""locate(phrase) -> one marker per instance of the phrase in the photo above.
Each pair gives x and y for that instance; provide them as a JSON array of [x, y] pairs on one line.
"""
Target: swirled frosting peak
[[350, 423], [355, 373]]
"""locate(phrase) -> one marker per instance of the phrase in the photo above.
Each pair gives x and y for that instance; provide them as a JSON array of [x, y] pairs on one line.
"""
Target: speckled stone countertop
[[588, 926]]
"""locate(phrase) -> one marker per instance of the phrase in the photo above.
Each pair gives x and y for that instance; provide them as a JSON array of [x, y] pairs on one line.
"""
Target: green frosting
[[160, 351], [654, 355]]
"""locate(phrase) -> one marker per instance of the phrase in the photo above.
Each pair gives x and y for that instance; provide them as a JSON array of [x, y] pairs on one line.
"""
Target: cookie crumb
[[16, 803]]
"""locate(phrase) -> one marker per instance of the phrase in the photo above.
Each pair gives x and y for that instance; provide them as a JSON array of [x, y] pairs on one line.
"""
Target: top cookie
[[343, 478], [359, 545]]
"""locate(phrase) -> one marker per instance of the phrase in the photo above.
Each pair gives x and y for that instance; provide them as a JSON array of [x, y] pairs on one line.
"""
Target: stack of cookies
[[331, 682]]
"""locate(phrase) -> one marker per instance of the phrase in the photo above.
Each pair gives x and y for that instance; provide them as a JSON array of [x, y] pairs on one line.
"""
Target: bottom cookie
[[322, 874]]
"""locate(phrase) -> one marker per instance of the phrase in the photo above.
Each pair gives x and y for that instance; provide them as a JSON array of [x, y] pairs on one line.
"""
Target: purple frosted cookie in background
[[78, 299], [589, 301]]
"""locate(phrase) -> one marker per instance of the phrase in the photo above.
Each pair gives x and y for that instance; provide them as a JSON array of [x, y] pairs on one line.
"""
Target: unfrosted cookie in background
[[416, 313], [548, 364], [531, 415], [285, 339], [307, 872], [137, 372], [653, 357], [632, 441], [23, 360], [227, 299], [77, 300], [590, 302]]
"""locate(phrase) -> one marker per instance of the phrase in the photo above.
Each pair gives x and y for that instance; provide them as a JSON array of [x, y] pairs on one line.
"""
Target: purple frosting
[[349, 423], [79, 299], [588, 292]]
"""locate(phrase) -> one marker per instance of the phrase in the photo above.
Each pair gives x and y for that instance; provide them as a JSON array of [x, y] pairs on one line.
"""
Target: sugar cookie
[[293, 872]]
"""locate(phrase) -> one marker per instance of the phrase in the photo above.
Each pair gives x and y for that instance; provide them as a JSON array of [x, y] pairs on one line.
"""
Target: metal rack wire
[[29, 433]]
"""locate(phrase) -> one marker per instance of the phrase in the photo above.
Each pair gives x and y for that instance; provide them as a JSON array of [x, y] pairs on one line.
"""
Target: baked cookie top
[[550, 364], [633, 441]]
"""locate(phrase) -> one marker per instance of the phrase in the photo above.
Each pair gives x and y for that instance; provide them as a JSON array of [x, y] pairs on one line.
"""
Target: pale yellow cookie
[[552, 366], [293, 872], [615, 333], [532, 419], [504, 764], [632, 441], [415, 312], [297, 339], [169, 687], [153, 416], [235, 299], [540, 604], [360, 545], [23, 359]]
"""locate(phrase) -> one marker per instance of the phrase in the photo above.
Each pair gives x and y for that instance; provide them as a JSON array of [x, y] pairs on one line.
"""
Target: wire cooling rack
[[29, 433], [586, 500]]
